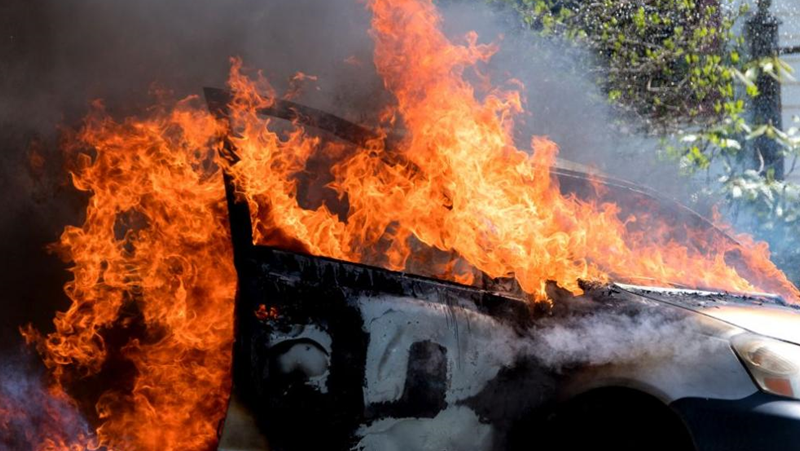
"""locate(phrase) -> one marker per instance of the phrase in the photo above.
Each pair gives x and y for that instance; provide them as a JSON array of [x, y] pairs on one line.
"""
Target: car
[[338, 355]]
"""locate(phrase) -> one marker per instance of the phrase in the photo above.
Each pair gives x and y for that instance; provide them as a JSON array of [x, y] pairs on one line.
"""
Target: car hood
[[773, 321], [763, 314]]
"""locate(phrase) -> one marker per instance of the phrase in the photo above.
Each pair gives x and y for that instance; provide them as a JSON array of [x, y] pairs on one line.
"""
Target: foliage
[[663, 62]]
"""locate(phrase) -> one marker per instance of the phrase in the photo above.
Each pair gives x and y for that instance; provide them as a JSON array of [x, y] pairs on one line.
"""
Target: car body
[[338, 355]]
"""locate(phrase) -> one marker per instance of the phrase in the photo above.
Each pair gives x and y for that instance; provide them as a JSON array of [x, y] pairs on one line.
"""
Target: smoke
[[563, 102], [29, 411], [607, 336], [65, 53]]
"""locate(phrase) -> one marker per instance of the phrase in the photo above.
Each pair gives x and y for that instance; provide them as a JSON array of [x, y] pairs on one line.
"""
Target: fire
[[151, 263], [153, 280], [462, 186]]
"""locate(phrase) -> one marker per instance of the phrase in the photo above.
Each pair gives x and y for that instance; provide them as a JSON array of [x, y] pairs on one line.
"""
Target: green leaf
[[757, 132]]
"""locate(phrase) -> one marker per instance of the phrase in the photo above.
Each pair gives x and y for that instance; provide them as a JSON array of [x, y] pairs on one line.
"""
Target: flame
[[151, 263], [153, 283], [462, 187]]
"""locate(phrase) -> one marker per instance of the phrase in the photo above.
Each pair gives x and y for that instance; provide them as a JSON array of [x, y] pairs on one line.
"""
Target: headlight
[[773, 364]]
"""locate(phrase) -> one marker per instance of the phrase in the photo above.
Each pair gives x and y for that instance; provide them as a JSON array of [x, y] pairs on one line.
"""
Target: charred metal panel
[[323, 293], [305, 292], [294, 269], [295, 413], [426, 379], [425, 385], [512, 400]]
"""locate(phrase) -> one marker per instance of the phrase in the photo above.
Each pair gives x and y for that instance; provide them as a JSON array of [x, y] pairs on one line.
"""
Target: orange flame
[[153, 260], [153, 254], [462, 187]]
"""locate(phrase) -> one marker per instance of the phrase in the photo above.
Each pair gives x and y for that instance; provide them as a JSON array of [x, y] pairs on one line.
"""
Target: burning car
[[424, 281], [331, 354]]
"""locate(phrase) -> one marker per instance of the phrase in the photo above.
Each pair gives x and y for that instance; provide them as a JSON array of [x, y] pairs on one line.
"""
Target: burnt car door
[[341, 355]]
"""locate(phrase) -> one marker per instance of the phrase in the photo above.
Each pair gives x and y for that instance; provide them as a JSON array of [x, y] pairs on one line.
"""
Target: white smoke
[[607, 337]]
